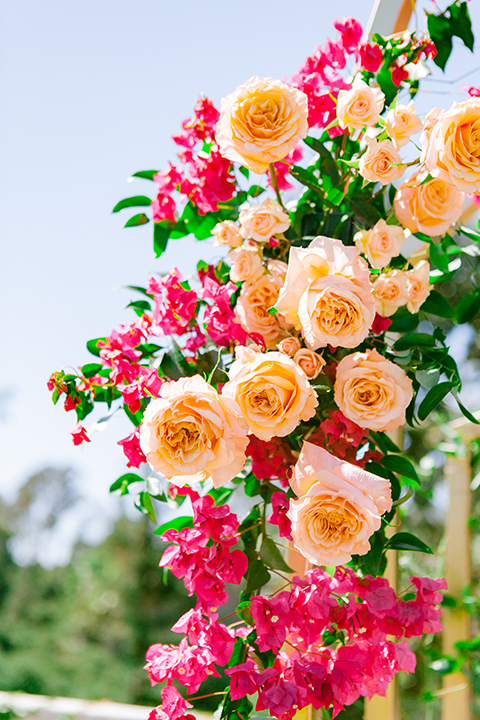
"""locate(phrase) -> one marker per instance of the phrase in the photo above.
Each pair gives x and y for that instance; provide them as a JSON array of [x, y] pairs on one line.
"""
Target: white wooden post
[[389, 16], [456, 621]]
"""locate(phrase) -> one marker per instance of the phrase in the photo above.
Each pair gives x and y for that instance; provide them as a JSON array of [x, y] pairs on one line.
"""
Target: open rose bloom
[[262, 389], [338, 507]]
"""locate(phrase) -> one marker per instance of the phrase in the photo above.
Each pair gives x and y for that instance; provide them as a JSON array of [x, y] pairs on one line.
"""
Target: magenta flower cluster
[[323, 642]]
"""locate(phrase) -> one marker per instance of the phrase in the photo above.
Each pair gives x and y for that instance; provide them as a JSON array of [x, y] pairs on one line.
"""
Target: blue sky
[[92, 92]]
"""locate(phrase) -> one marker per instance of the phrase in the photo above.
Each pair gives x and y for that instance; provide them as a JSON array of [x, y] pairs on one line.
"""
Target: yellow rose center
[[265, 402], [183, 438], [333, 312], [263, 115], [332, 521]]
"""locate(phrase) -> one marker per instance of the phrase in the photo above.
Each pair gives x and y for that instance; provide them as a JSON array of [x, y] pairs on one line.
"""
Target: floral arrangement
[[280, 372]]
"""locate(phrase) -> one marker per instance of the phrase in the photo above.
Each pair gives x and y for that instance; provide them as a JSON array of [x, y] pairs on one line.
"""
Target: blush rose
[[339, 507]]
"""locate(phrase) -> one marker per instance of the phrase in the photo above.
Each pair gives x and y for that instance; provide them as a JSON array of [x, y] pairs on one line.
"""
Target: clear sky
[[91, 92]]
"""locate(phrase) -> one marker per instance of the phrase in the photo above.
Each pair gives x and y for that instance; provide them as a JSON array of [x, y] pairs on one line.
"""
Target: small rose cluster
[[205, 566], [203, 177], [329, 638]]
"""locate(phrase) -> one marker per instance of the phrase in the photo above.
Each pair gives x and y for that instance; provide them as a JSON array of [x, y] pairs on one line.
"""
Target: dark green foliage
[[82, 630]]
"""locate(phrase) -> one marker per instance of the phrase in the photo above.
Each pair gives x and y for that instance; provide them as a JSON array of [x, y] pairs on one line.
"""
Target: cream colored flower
[[402, 122], [372, 391], [338, 508], [191, 433], [289, 345], [381, 243], [381, 162], [227, 233], [255, 300], [327, 294], [246, 263], [260, 222], [360, 106], [451, 145], [431, 208], [310, 362], [272, 391], [390, 292], [278, 268], [261, 122], [418, 286]]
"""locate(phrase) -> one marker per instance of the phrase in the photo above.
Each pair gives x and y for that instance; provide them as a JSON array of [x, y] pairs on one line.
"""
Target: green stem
[[273, 177]]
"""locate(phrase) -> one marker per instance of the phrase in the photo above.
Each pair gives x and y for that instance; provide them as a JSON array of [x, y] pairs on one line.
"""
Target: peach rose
[[227, 233], [372, 391], [360, 106], [390, 292], [246, 263], [261, 122], [403, 122], [338, 508], [327, 294], [310, 362], [191, 433], [289, 345], [272, 391], [260, 222], [381, 162], [278, 268], [253, 304], [451, 147], [381, 243], [431, 208], [418, 286]]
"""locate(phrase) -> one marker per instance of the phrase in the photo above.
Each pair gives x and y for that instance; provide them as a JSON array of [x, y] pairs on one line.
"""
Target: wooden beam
[[389, 16], [456, 621]]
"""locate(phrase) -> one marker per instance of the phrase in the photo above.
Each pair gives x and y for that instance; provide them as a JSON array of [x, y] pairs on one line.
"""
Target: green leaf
[[433, 398], [137, 288], [124, 481], [441, 32], [384, 442], [145, 174], [92, 346], [400, 465], [255, 191], [161, 233], [140, 219], [414, 340], [439, 257], [91, 369], [461, 24], [257, 576], [466, 412], [404, 321], [135, 201], [472, 234], [143, 502], [220, 495], [428, 377], [305, 177], [272, 556], [468, 307], [436, 304], [245, 171], [140, 306], [177, 523], [407, 541], [136, 418], [239, 652]]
